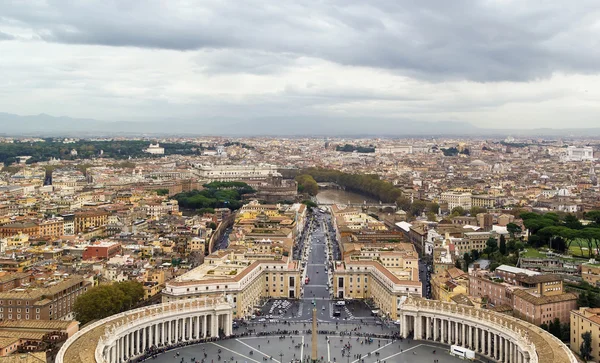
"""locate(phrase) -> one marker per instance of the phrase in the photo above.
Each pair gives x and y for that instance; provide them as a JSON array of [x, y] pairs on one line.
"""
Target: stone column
[[162, 332], [435, 329], [144, 347], [476, 339], [198, 335], [463, 327], [204, 330], [456, 332], [229, 323], [118, 346], [126, 347], [215, 325], [511, 358]]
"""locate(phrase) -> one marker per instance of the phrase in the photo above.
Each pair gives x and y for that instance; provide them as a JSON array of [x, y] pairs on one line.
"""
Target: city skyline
[[381, 66]]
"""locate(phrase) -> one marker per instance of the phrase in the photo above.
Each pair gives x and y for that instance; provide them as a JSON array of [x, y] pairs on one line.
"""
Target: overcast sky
[[491, 63]]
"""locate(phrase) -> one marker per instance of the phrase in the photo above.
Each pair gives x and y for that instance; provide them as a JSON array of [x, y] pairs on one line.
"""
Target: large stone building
[[227, 173], [51, 302], [585, 320], [383, 274], [531, 296], [243, 281]]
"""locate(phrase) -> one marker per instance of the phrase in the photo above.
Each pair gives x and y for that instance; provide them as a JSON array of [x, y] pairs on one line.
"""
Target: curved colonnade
[[131, 334], [497, 336]]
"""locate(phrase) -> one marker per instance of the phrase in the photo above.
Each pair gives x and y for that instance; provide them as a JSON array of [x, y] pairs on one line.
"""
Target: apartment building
[[53, 227], [243, 281], [54, 301], [102, 250], [483, 201], [383, 276], [89, 219], [456, 199], [585, 320], [534, 297], [26, 227]]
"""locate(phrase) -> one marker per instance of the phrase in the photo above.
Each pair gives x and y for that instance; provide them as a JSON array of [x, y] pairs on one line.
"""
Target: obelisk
[[315, 358]]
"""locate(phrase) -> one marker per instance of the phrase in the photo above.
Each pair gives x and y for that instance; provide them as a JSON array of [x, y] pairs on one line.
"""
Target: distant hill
[[47, 125]]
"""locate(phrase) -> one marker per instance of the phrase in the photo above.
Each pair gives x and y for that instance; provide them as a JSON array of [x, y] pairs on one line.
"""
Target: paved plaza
[[274, 349]]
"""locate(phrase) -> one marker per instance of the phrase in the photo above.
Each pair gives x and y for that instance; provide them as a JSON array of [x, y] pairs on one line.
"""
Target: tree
[[467, 259], [431, 217], [458, 211], [572, 222], [582, 300], [433, 207], [162, 192], [475, 255], [513, 229], [585, 350], [502, 244], [593, 215], [457, 264], [307, 184], [554, 328], [491, 246], [476, 210], [309, 203], [418, 207], [105, 300], [403, 203]]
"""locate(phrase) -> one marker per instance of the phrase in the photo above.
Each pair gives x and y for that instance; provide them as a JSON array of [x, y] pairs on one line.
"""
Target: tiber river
[[337, 196]]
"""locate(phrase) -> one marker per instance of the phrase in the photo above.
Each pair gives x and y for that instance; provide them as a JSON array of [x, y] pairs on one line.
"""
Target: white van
[[341, 303]]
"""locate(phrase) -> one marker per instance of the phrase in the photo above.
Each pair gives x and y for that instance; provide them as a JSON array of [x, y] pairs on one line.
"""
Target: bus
[[462, 353]]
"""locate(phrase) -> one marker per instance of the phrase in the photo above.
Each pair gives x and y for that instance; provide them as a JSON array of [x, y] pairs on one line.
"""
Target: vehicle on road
[[337, 313], [262, 320], [340, 303], [461, 352], [252, 317]]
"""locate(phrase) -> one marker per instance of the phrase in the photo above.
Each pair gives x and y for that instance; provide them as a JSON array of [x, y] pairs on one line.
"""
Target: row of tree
[[366, 184], [351, 148], [106, 300], [499, 252], [452, 151], [561, 331], [122, 149], [558, 233]]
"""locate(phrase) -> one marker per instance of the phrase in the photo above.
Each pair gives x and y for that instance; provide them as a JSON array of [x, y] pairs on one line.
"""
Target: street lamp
[[281, 357]]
